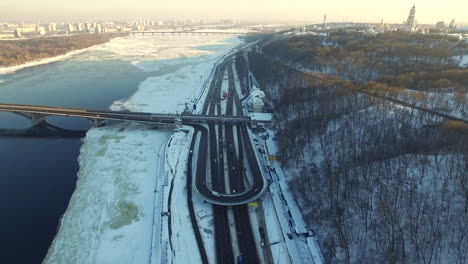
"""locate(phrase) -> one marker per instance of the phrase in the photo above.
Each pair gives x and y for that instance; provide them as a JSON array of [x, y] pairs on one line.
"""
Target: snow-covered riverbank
[[110, 216]]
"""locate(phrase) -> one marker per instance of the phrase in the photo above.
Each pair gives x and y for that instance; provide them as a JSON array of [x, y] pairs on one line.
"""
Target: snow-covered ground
[[419, 166], [462, 60], [181, 240], [112, 215], [284, 217], [450, 103]]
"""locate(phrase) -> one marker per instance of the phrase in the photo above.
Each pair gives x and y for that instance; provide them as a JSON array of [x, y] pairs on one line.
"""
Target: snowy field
[[112, 215], [462, 60]]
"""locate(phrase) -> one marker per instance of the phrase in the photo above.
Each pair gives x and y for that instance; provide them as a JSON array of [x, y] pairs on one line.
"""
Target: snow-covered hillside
[[377, 181], [451, 102]]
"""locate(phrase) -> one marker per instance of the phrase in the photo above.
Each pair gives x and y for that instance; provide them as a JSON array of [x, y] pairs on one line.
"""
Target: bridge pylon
[[178, 122], [97, 122], [37, 118]]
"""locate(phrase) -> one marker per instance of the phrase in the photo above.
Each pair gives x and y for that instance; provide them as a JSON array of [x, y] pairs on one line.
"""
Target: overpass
[[38, 114], [252, 193]]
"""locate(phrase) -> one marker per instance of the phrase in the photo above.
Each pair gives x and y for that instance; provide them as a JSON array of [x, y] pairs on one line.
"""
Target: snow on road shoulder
[[276, 239], [110, 212], [205, 220], [182, 243], [300, 247]]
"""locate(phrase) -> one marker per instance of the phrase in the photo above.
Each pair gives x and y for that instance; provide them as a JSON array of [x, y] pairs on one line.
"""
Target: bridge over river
[[184, 32], [38, 114]]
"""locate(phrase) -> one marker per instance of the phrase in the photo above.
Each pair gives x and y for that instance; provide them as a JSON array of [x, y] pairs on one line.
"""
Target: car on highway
[[215, 193]]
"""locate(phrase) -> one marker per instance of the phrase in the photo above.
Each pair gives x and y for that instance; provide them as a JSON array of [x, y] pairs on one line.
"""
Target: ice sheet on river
[[179, 66], [109, 214]]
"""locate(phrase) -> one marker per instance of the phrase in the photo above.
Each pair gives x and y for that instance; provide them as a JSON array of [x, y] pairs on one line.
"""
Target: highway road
[[197, 129], [212, 107], [220, 178]]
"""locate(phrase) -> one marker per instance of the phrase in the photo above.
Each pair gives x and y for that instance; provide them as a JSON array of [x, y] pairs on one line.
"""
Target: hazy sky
[[427, 11]]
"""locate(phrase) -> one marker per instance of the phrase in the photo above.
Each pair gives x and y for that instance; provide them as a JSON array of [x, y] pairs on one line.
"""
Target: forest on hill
[[361, 57], [424, 69], [377, 180], [16, 52]]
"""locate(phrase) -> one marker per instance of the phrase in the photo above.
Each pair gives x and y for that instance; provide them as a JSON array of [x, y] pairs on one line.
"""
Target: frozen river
[[111, 204]]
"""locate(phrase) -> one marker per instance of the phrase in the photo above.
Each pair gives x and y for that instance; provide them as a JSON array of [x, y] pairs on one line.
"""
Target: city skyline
[[428, 12]]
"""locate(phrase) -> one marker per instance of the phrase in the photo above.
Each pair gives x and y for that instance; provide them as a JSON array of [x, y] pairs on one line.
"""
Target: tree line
[[15, 52], [361, 57]]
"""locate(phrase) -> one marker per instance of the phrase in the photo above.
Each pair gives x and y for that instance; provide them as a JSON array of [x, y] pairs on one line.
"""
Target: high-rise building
[[98, 29], [41, 31], [79, 26], [52, 27], [70, 27], [411, 18], [87, 27]]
